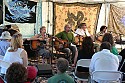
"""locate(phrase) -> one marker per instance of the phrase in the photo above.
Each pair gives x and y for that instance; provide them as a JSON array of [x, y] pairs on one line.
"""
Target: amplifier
[[44, 70]]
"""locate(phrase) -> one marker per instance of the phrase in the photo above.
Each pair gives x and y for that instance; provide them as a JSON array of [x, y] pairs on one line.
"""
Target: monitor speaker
[[44, 70]]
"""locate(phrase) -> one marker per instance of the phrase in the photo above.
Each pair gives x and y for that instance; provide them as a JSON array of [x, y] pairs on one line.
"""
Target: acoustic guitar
[[79, 40], [37, 44], [58, 44]]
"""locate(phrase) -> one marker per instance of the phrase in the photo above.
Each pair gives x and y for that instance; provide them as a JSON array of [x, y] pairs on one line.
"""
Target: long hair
[[108, 38], [87, 45], [16, 42]]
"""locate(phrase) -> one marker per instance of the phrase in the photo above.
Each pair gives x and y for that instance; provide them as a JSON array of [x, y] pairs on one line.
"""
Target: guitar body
[[99, 39], [79, 40], [36, 44], [58, 45]]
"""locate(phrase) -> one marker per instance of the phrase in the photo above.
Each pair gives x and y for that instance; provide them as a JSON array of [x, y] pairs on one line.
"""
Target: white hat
[[5, 35]]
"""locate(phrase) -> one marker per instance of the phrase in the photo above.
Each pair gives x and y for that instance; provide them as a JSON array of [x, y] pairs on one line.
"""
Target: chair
[[106, 77], [82, 75], [120, 58]]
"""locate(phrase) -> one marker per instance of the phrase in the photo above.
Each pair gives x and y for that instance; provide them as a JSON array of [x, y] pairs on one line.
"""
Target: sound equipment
[[44, 70]]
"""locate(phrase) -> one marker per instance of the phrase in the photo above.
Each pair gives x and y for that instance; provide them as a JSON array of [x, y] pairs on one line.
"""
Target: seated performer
[[80, 33], [100, 34], [42, 36], [67, 35], [82, 30]]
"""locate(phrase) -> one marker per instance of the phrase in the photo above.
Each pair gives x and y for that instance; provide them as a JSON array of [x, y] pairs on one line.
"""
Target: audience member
[[15, 53], [104, 60], [109, 38], [86, 51], [5, 42], [61, 76], [32, 73], [111, 62], [16, 73]]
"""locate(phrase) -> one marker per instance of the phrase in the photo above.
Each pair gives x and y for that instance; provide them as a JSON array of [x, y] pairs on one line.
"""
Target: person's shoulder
[[52, 79]]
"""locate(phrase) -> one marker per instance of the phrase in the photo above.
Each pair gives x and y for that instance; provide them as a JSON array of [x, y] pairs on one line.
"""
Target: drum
[[78, 40]]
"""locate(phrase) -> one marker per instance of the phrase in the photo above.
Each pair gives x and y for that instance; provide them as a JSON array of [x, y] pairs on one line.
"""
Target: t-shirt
[[66, 36], [61, 78]]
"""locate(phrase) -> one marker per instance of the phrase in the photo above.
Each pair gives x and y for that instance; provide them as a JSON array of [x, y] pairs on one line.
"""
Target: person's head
[[108, 38], [43, 29], [62, 65], [16, 73], [103, 28], [5, 35], [87, 44], [16, 41], [32, 73], [83, 26], [67, 27], [105, 45]]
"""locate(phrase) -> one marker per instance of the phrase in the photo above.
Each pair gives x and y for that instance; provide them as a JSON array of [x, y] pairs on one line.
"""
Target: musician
[[68, 35], [44, 39], [100, 34], [82, 30], [80, 33]]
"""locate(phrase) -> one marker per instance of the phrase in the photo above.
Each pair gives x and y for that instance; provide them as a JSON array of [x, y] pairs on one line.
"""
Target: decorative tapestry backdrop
[[76, 13], [20, 11], [116, 19]]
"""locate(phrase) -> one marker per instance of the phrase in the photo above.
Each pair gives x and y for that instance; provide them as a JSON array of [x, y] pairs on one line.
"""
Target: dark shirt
[[122, 64], [83, 55]]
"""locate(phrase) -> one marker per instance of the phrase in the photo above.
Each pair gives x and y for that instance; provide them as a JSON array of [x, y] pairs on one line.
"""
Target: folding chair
[[106, 77], [79, 75]]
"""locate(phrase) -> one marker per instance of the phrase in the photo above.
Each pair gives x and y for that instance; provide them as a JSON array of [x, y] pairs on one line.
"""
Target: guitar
[[59, 45], [99, 39], [37, 44], [79, 40]]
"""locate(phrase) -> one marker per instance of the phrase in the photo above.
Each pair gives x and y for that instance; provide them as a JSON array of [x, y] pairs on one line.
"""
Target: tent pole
[[105, 12], [48, 21]]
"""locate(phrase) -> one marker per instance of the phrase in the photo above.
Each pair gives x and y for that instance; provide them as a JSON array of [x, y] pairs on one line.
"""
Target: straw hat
[[5, 35]]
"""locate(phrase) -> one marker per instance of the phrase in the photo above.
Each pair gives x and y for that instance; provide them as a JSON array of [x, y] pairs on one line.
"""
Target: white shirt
[[104, 60], [82, 32], [11, 57]]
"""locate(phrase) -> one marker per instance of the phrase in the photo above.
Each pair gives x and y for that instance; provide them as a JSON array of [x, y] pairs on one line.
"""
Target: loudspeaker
[[44, 70]]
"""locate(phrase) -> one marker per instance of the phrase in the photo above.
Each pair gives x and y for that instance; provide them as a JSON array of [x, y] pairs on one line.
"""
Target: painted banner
[[1, 11], [76, 13], [20, 11], [116, 19]]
